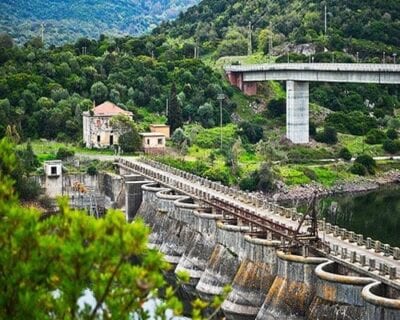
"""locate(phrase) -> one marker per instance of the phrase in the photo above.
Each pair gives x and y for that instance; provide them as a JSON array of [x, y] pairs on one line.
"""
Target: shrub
[[392, 134], [354, 122], [368, 162], [218, 174], [277, 107], [251, 132], [64, 153], [358, 169], [309, 173], [328, 135], [312, 129], [248, 184], [261, 179], [375, 136], [45, 202], [28, 189], [265, 178], [91, 170], [345, 154], [391, 146]]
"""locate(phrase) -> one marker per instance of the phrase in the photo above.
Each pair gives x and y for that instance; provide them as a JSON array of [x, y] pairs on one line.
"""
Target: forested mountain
[[356, 31], [53, 86], [365, 26], [68, 20]]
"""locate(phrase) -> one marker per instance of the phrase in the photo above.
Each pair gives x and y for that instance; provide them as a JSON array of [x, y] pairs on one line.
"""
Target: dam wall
[[267, 280]]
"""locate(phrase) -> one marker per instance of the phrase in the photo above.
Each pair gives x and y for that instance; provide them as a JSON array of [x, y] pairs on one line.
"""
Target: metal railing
[[336, 251], [347, 67]]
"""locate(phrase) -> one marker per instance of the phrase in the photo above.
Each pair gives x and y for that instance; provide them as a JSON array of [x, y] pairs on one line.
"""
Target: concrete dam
[[268, 280]]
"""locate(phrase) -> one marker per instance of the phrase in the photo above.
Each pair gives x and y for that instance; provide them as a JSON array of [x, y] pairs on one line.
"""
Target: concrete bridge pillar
[[382, 302], [338, 294], [297, 111], [133, 195]]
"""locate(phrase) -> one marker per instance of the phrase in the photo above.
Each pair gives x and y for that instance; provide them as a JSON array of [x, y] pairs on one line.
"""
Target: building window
[[160, 141], [98, 139], [53, 171], [148, 141], [111, 140]]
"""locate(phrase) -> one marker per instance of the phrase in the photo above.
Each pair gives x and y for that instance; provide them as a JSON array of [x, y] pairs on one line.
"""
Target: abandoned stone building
[[97, 131]]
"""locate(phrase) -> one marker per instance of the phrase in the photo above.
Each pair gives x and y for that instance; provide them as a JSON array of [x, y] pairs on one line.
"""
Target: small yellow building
[[153, 142], [161, 128], [97, 131]]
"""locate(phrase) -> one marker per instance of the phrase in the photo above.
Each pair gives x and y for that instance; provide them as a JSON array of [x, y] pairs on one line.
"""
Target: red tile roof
[[109, 109]]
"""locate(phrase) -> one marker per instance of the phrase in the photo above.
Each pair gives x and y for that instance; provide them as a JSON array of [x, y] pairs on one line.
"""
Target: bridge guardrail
[[346, 67], [290, 213]]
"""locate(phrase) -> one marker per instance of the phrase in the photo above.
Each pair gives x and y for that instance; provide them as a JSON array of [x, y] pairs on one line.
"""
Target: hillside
[[65, 21], [365, 26], [43, 91]]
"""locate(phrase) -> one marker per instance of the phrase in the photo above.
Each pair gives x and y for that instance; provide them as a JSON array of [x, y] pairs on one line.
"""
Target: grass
[[47, 149], [210, 138], [356, 145], [326, 175], [196, 152], [292, 175]]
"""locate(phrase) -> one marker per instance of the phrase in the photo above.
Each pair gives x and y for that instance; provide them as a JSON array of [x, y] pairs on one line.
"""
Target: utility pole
[[166, 107], [270, 46], [326, 20], [42, 32], [249, 44], [221, 98]]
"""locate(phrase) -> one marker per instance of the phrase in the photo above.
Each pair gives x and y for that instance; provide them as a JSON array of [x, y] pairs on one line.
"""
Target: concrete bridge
[[298, 76], [222, 236]]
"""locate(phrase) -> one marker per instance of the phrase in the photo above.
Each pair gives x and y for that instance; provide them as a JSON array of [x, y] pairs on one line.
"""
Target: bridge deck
[[334, 67], [316, 72], [182, 185]]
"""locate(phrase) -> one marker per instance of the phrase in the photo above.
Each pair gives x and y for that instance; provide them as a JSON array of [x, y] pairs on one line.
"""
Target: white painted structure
[[153, 142], [53, 178], [298, 75], [97, 130]]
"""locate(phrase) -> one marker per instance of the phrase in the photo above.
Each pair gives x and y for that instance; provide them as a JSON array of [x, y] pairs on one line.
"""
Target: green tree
[[391, 146], [64, 153], [99, 92], [6, 41], [206, 115], [368, 162], [392, 134], [28, 158], [175, 118], [48, 264], [375, 136], [130, 141], [358, 169], [328, 135]]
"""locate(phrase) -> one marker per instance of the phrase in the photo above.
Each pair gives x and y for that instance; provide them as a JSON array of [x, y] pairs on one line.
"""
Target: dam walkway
[[362, 254]]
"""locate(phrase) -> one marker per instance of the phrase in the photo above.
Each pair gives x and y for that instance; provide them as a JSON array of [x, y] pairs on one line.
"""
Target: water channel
[[375, 214]]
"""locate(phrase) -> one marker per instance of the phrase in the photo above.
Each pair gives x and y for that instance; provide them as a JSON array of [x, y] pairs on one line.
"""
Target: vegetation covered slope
[[367, 27], [68, 20], [43, 92]]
